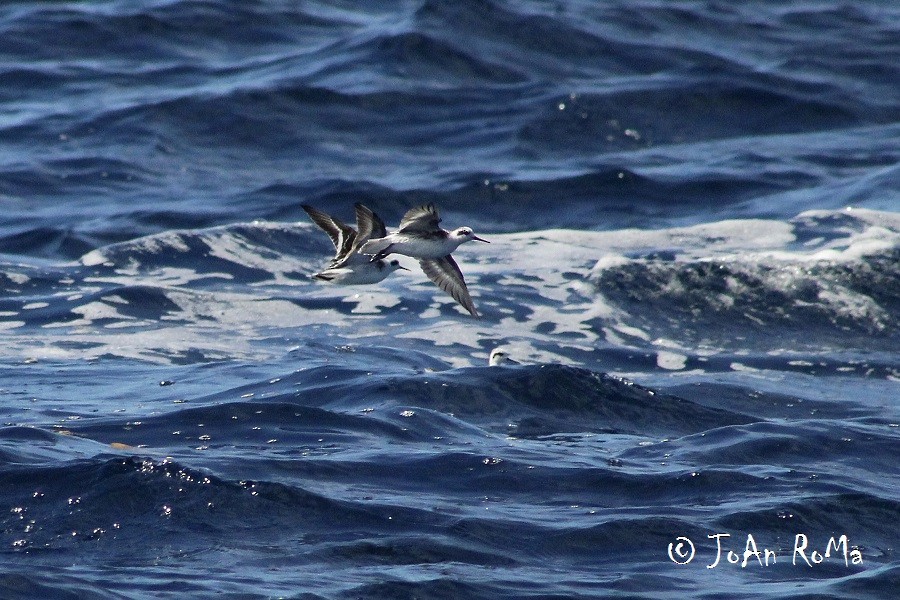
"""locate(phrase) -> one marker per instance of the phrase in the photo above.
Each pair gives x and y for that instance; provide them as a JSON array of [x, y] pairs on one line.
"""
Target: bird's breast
[[424, 247]]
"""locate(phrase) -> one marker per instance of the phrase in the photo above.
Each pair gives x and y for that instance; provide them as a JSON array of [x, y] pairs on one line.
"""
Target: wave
[[712, 296], [161, 32], [831, 281], [350, 517], [692, 211], [425, 58]]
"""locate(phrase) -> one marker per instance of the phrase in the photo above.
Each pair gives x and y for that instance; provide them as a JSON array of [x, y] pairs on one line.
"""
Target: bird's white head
[[392, 265], [465, 234], [499, 356]]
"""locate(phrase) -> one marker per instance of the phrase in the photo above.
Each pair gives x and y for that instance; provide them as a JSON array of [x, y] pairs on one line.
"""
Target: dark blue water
[[694, 211]]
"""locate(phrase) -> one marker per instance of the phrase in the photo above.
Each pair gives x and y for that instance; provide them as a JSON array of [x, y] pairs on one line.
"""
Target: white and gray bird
[[499, 357], [348, 267], [420, 236]]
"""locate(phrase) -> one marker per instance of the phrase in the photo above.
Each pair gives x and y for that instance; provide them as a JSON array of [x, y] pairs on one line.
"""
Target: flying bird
[[420, 236], [348, 267]]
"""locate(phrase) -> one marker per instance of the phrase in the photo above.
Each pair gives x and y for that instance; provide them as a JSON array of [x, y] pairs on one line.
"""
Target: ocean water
[[694, 217]]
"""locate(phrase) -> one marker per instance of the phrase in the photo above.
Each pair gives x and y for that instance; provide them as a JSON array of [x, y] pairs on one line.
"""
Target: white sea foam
[[35, 305], [558, 293], [17, 278], [762, 255]]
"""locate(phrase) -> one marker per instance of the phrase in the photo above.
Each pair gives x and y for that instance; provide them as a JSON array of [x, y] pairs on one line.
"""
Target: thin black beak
[[475, 237], [402, 267]]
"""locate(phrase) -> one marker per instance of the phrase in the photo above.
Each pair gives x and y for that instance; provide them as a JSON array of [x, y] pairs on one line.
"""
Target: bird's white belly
[[422, 248], [356, 276]]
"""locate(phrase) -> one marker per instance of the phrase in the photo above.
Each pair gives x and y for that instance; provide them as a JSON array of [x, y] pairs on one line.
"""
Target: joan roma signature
[[683, 552]]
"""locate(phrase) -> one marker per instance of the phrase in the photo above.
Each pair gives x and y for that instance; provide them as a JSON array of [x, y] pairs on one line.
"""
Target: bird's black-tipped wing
[[421, 219], [445, 274], [342, 235], [368, 224]]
